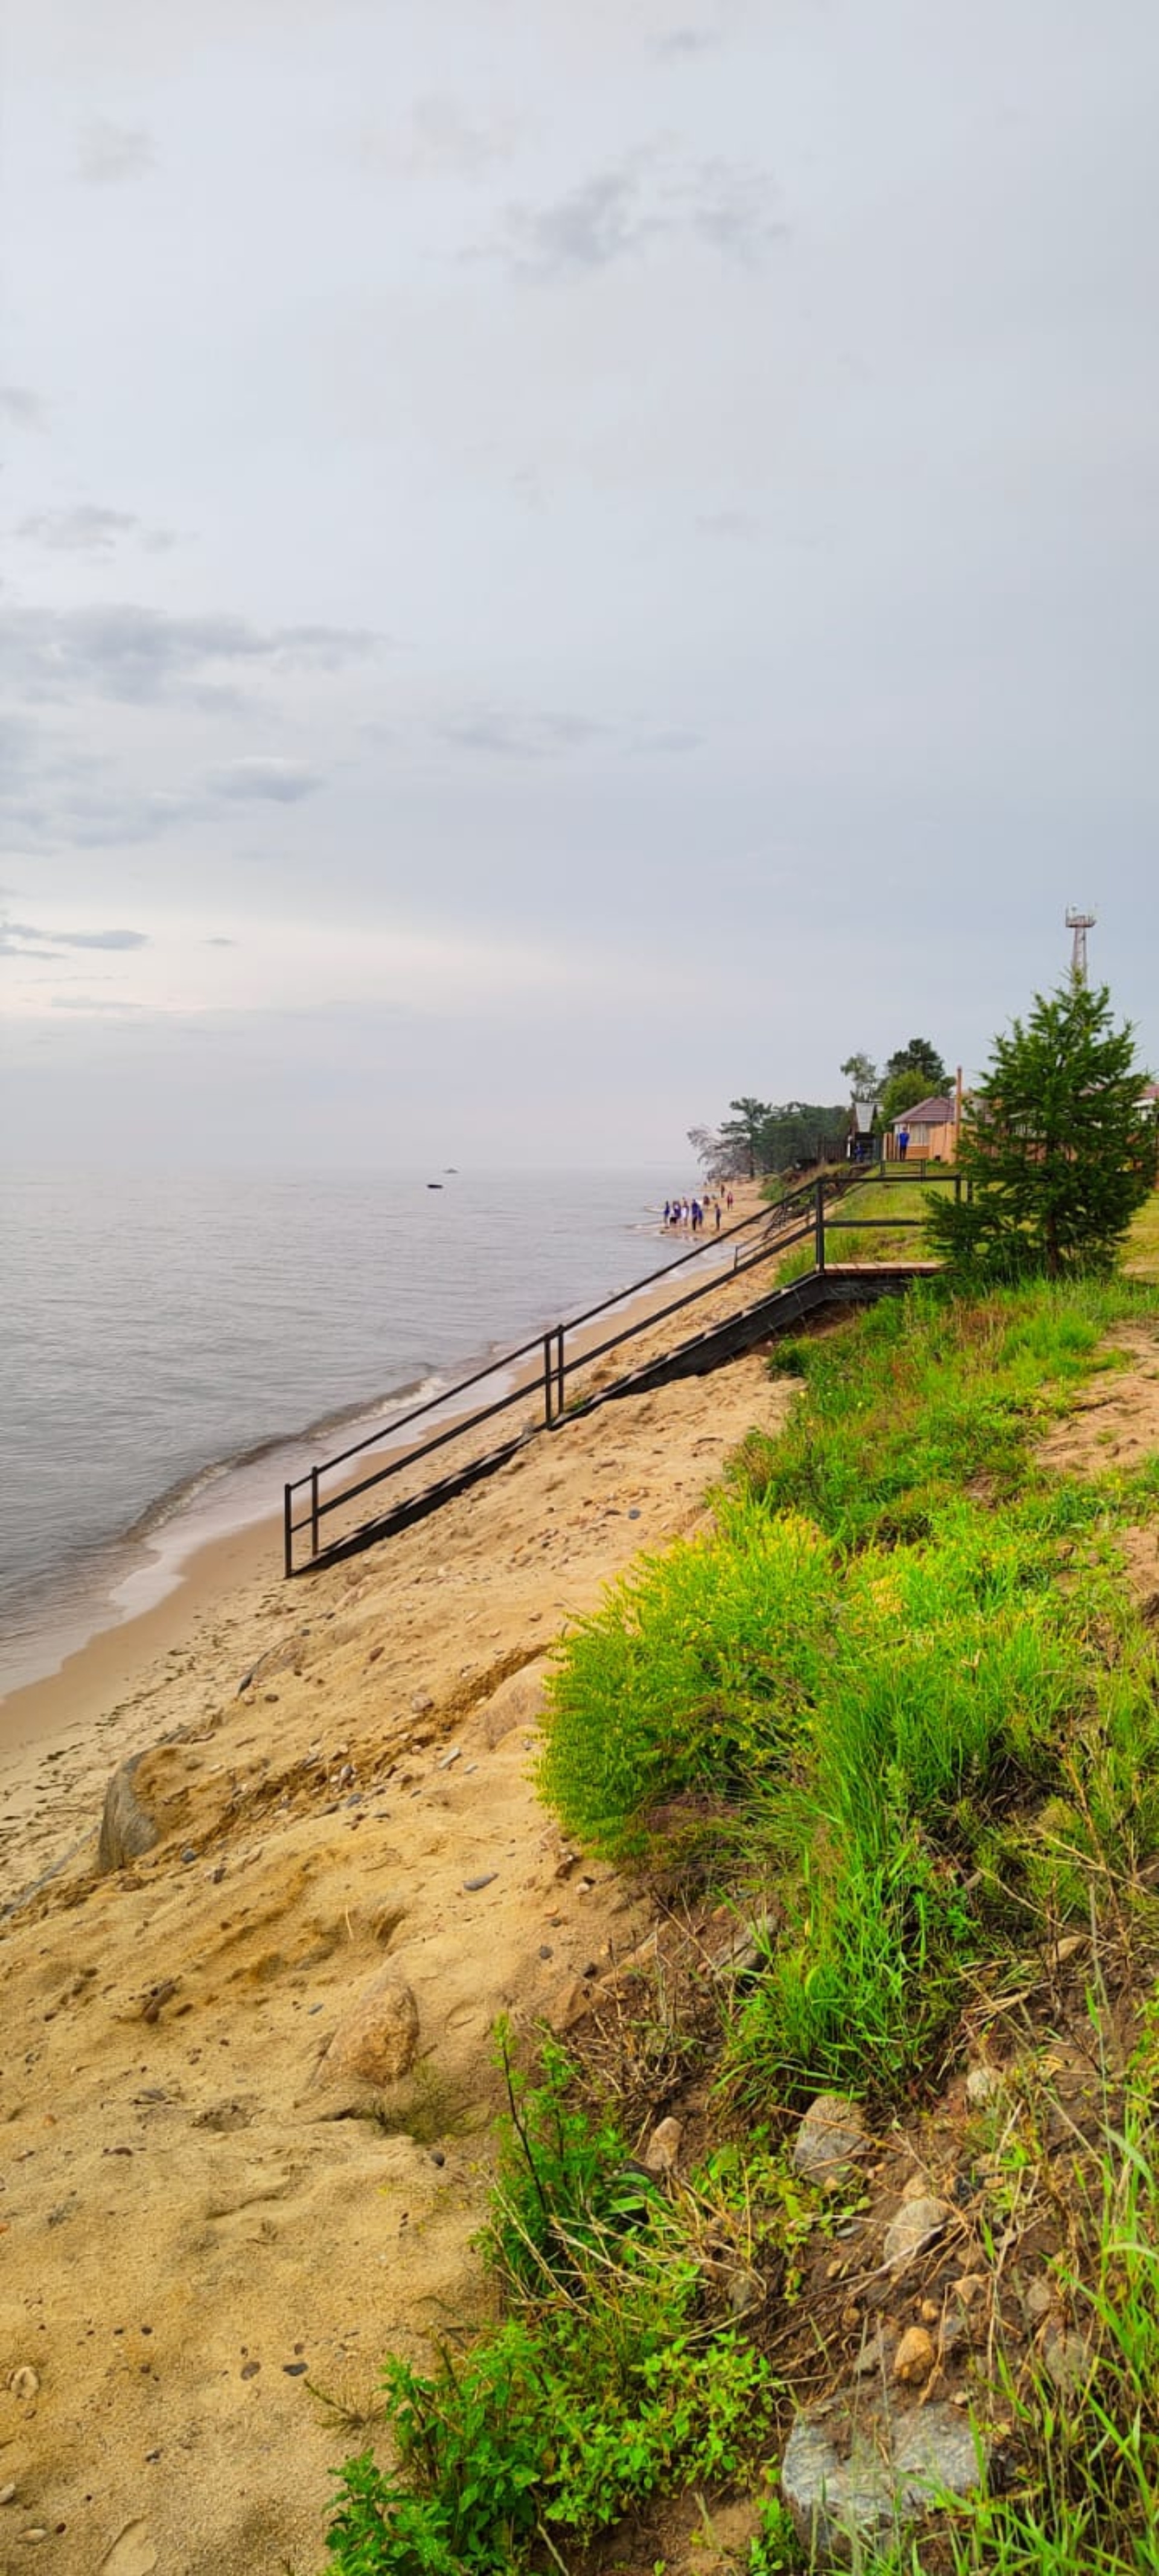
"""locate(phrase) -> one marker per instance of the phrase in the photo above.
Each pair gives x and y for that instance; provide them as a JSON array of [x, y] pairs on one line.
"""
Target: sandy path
[[188, 2240]]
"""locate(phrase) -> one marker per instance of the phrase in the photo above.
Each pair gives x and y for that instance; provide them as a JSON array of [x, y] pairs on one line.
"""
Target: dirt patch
[[1114, 1420]]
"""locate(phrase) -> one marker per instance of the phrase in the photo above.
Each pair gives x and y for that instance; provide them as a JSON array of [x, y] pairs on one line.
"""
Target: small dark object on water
[[434, 1185]]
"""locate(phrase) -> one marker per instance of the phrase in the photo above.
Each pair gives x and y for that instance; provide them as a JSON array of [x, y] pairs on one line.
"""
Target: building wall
[[936, 1144]]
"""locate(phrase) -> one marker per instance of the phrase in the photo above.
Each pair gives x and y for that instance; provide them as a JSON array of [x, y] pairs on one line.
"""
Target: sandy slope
[[191, 2241]]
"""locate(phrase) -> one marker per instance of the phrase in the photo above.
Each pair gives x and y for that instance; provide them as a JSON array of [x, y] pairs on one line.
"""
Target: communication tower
[[1078, 923]]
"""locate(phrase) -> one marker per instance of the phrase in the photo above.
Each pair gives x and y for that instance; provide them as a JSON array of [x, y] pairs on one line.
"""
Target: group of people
[[691, 1214]]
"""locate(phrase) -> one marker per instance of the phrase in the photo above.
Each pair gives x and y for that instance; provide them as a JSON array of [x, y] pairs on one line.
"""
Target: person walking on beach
[[716, 1213]]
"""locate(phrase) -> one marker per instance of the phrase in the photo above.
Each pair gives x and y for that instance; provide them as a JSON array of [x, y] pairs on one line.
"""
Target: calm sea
[[172, 1348]]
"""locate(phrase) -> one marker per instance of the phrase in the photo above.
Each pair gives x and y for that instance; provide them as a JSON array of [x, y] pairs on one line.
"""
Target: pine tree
[[1059, 1146]]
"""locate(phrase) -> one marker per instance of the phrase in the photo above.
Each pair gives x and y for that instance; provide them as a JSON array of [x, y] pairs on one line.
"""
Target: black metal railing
[[803, 1214]]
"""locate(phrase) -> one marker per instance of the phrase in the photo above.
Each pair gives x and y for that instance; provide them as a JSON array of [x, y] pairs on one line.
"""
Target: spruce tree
[[1058, 1145]]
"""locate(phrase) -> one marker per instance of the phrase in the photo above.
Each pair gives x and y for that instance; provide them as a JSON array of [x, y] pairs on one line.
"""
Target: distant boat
[[450, 1167], [434, 1185]]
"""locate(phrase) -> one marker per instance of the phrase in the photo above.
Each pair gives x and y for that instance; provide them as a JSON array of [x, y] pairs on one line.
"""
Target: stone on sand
[[517, 1702], [377, 2040], [127, 1828]]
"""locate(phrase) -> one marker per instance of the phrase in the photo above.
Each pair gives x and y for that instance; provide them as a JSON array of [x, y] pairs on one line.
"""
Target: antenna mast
[[1079, 923]]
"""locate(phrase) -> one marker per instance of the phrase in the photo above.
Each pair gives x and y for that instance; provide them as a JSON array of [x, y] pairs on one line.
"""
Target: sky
[[562, 563]]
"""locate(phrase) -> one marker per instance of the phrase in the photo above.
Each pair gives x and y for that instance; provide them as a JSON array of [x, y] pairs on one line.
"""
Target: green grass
[[1141, 1252], [900, 1701], [902, 1684], [895, 1199]]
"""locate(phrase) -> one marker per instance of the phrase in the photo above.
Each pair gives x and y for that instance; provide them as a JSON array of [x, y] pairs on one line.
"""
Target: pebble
[[918, 2223], [36, 2531], [188, 1854], [663, 2147], [982, 2084], [8, 2493], [24, 2383], [914, 2358], [830, 2138], [1066, 2358], [634, 1514], [455, 1755], [295, 2369], [1039, 2301], [437, 2156], [250, 2369], [472, 1885]]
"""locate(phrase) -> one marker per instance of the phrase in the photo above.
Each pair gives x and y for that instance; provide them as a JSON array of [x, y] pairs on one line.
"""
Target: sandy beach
[[212, 2228], [60, 1735]]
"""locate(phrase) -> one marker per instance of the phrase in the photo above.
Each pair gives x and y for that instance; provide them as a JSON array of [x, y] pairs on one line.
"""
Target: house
[[932, 1128]]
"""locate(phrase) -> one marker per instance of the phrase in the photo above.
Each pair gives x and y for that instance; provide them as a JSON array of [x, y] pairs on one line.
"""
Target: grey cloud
[[88, 529], [21, 932], [592, 226], [283, 782], [618, 212], [683, 41], [139, 655], [108, 153], [735, 212], [22, 407], [219, 943], [439, 140]]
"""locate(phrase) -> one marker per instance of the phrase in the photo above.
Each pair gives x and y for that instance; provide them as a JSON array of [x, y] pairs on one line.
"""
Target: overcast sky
[[563, 559]]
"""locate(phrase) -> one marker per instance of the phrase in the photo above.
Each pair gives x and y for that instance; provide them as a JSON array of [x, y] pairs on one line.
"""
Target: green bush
[[604, 2386], [694, 1678]]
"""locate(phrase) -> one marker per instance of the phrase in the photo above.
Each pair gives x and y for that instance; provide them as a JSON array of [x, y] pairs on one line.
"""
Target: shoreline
[[64, 1732], [162, 1557]]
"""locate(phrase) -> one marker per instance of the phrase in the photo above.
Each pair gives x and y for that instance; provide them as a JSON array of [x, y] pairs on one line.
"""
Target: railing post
[[819, 1224], [547, 1379], [313, 1511], [559, 1368], [957, 1189], [288, 1528]]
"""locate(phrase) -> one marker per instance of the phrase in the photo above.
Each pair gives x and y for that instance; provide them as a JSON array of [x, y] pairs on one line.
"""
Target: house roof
[[936, 1112]]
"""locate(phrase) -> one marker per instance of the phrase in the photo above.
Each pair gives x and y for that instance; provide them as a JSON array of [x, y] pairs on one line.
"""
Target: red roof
[[938, 1112]]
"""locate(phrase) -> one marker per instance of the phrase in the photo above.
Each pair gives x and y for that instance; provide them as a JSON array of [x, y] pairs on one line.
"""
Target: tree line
[[760, 1136]]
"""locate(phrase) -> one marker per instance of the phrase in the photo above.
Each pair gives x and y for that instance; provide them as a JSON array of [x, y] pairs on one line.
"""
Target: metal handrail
[[781, 1227]]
